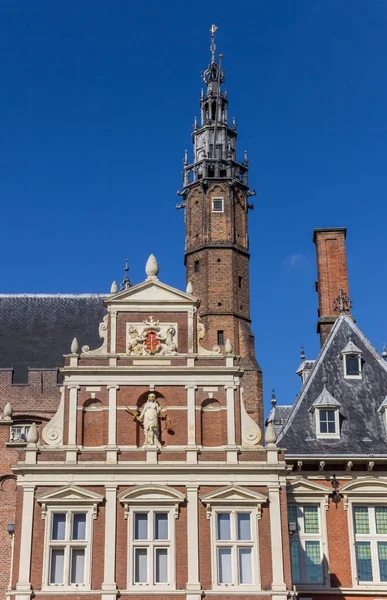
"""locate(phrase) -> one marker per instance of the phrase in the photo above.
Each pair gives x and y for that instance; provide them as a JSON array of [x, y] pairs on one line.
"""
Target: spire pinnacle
[[213, 47], [126, 281]]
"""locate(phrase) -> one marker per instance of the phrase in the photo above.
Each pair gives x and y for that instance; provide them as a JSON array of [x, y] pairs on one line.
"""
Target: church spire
[[214, 142]]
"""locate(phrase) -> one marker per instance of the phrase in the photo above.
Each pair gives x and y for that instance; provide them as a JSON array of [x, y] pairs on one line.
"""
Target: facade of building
[[146, 475], [132, 458]]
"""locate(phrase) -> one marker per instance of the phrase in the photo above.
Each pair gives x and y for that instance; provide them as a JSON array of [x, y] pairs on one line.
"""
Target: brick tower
[[216, 201]]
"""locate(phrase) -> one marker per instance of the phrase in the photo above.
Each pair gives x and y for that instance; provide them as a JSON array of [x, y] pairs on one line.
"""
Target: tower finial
[[126, 281], [213, 47]]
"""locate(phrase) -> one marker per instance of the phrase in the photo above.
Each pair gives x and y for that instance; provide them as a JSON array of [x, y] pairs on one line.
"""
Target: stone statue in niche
[[150, 418]]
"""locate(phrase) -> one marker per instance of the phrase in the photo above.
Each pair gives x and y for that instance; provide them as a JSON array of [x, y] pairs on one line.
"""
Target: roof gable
[[151, 291], [362, 427]]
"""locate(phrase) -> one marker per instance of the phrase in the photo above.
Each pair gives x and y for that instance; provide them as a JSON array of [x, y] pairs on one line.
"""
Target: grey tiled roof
[[36, 330], [279, 415], [362, 426]]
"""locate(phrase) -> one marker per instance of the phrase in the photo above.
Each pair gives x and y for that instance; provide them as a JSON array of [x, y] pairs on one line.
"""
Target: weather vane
[[213, 47], [342, 303]]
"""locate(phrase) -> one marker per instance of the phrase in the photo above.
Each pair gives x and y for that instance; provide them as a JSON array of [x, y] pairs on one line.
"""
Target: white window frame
[[25, 427], [67, 544], [213, 204], [326, 435], [152, 544], [359, 360], [234, 544], [371, 537], [303, 537]]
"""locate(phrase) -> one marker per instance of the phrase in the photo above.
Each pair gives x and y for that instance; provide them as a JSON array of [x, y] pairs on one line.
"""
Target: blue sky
[[97, 103]]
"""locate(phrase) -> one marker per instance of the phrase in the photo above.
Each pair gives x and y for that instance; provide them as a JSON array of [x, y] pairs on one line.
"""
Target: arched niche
[[93, 423], [212, 423]]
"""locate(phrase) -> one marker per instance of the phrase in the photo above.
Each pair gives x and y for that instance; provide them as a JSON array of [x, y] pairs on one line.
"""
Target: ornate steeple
[[214, 142], [216, 202]]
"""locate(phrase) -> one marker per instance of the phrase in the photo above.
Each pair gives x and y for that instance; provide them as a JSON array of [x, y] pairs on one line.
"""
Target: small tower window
[[239, 281], [220, 338], [217, 205], [197, 266], [352, 365], [352, 361]]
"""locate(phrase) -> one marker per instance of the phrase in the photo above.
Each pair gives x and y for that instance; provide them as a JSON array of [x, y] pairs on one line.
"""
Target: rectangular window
[[239, 281], [306, 543], [197, 266], [217, 205], [68, 548], [19, 433], [352, 364], [220, 338], [234, 548], [370, 530], [151, 552], [327, 421]]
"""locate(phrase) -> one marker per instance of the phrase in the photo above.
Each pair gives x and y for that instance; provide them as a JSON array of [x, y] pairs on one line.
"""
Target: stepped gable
[[36, 330], [362, 425]]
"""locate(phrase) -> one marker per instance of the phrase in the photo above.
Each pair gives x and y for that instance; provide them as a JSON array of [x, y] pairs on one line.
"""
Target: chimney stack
[[332, 275]]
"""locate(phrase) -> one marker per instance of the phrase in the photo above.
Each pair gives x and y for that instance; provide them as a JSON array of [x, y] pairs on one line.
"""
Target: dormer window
[[352, 362], [326, 410], [328, 421], [352, 365]]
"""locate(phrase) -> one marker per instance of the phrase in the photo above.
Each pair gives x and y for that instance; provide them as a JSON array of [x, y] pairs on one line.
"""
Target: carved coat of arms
[[152, 339]]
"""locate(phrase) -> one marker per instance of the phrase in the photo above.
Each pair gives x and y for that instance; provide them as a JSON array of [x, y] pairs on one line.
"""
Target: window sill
[[237, 589], [66, 588], [16, 444], [145, 588], [328, 436]]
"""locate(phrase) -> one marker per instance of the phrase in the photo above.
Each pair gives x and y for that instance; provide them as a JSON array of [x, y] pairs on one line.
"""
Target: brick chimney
[[332, 275]]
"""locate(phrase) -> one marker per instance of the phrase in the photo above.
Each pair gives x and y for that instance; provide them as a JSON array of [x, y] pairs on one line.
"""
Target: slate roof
[[362, 426], [278, 416], [36, 330]]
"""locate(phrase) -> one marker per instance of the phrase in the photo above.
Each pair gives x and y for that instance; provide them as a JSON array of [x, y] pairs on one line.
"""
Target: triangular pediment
[[151, 493], [150, 291], [70, 493], [233, 494], [301, 486]]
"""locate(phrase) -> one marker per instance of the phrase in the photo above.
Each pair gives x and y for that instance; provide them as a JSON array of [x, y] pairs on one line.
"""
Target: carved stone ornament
[[270, 435], [74, 346], [32, 435], [152, 267], [189, 289], [251, 432], [8, 411], [103, 334], [151, 338], [52, 432], [150, 418], [114, 288], [201, 331]]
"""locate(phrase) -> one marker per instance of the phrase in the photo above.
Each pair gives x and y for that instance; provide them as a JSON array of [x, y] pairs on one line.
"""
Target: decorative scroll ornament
[[103, 334], [150, 418], [251, 432], [152, 339], [52, 432]]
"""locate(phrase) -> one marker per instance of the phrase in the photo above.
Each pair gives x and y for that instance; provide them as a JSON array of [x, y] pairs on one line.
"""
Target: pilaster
[[193, 584], [111, 453], [109, 586], [71, 453], [232, 451], [277, 558], [23, 586], [191, 450], [113, 332]]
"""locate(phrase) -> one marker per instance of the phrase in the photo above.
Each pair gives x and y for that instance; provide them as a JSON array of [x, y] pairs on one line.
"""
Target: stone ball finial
[[114, 288], [189, 288], [8, 411], [152, 267], [74, 346], [32, 435], [228, 346]]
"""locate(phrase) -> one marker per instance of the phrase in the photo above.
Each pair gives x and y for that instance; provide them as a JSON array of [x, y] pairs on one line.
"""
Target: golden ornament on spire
[[213, 47]]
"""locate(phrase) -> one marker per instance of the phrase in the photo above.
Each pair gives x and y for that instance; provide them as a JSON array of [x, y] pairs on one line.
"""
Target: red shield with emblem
[[151, 342]]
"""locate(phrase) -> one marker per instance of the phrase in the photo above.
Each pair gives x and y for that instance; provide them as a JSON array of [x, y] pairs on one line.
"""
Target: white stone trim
[[193, 584], [24, 584], [230, 399], [191, 416], [72, 426], [113, 331], [277, 557], [112, 427], [109, 583]]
